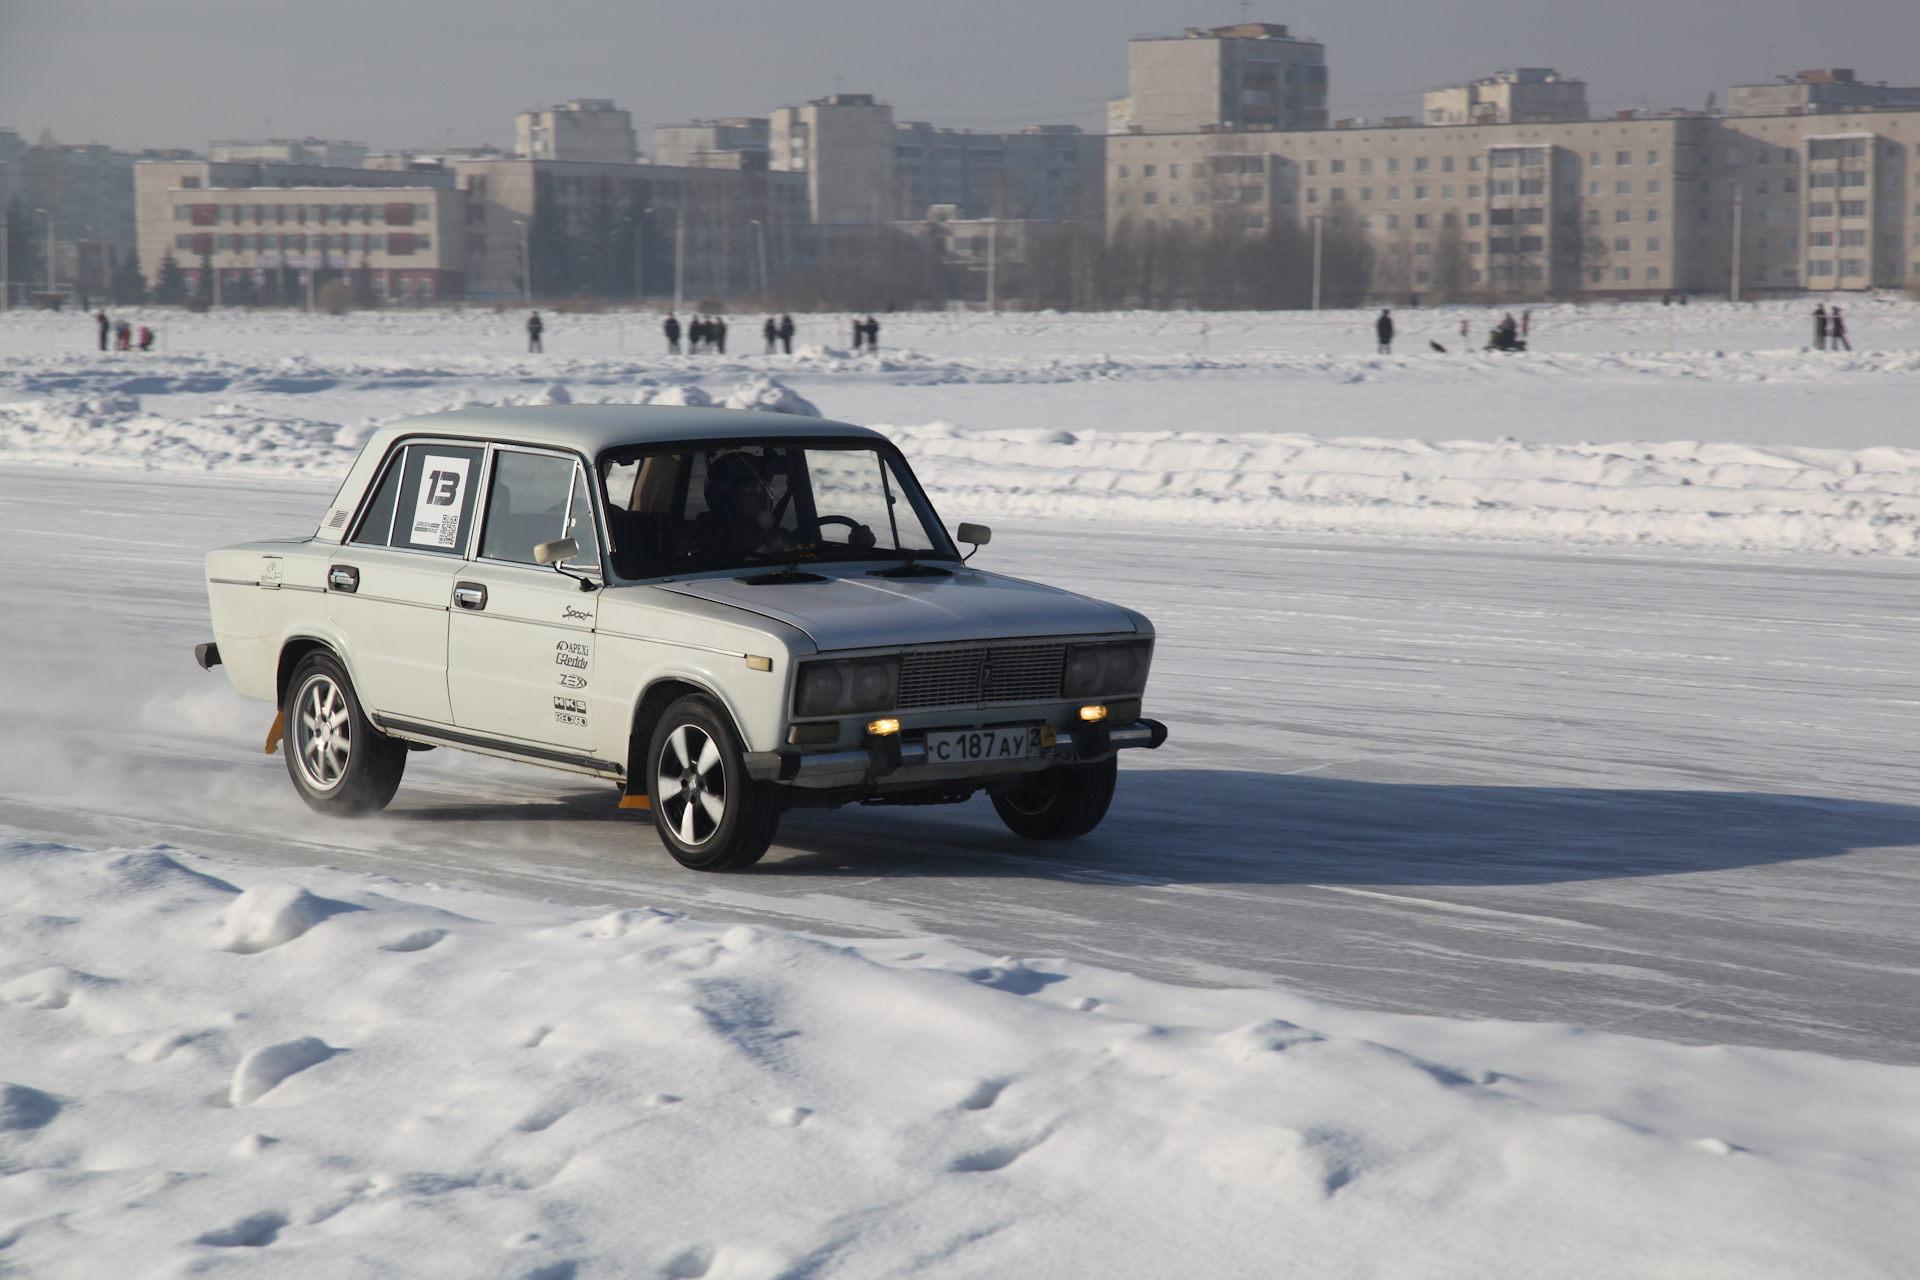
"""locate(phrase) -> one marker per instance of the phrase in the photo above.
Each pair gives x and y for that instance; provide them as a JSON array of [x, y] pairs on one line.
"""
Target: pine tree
[[170, 282], [127, 288], [26, 265]]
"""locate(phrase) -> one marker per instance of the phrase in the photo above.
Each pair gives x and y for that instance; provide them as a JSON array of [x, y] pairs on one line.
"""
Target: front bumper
[[904, 759]]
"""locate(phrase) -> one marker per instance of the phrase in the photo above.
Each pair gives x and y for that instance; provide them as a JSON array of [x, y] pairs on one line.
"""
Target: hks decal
[[571, 711]]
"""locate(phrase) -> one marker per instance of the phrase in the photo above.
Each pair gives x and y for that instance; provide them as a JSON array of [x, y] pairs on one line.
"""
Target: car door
[[389, 586], [520, 635]]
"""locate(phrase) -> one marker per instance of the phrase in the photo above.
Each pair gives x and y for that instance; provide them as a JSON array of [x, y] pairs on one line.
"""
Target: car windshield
[[685, 509]]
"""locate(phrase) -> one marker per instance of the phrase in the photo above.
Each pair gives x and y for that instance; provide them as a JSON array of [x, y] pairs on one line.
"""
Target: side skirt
[[439, 736]]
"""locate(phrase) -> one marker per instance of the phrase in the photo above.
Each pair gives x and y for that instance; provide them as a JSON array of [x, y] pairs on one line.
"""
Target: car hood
[[859, 612]]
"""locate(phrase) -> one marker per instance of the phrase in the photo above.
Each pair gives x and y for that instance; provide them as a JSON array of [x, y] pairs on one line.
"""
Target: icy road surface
[[1665, 794]]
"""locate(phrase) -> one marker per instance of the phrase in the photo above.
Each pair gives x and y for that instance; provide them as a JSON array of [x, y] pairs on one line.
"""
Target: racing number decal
[[436, 512]]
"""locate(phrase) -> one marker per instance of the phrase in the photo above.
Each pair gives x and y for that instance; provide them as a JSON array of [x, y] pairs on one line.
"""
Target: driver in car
[[739, 519]]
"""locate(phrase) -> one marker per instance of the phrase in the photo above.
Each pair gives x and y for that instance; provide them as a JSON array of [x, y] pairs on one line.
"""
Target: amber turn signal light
[[883, 728], [1093, 713]]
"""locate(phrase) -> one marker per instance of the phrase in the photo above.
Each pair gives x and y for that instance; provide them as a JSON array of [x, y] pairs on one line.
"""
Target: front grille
[[973, 677]]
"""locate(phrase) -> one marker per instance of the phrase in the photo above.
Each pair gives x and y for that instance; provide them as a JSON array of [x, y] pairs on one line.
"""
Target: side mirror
[[976, 534], [560, 549]]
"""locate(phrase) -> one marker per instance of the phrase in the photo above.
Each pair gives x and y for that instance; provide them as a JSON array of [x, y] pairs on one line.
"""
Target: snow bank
[[1680, 494], [443, 1084]]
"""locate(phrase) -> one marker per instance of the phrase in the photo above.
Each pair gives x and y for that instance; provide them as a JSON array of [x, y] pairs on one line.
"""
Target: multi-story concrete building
[[313, 152], [736, 142], [843, 144], [589, 130], [1252, 76], [257, 230], [1822, 92], [1049, 172], [1631, 205], [1531, 95]]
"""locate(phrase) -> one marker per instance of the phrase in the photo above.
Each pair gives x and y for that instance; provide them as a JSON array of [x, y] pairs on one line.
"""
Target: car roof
[[591, 429]]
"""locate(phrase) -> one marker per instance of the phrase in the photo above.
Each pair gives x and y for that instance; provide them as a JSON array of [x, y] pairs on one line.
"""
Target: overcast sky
[[393, 73]]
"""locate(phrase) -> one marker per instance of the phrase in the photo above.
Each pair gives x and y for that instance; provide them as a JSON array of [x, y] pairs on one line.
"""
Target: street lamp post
[[993, 265], [1738, 226], [679, 260], [526, 263], [1316, 262]]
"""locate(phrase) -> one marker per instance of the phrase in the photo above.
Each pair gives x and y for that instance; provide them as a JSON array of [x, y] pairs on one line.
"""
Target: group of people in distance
[[117, 335], [866, 333], [703, 333], [1829, 329], [779, 335]]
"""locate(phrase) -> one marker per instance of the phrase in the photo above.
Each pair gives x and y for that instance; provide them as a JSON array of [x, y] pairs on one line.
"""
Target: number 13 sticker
[[436, 513]]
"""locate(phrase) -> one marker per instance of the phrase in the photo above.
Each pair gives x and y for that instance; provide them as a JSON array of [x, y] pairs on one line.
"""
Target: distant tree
[[170, 282], [127, 287], [205, 292], [550, 250], [25, 262], [364, 297]]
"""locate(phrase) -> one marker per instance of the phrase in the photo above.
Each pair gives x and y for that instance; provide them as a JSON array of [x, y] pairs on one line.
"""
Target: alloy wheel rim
[[690, 785], [322, 733]]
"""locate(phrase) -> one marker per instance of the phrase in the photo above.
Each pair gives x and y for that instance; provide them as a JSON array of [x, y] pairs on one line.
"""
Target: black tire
[[340, 764], [1060, 804], [709, 813]]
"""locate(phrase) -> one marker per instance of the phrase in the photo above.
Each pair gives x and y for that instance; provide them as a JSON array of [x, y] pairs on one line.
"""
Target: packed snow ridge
[[357, 1077]]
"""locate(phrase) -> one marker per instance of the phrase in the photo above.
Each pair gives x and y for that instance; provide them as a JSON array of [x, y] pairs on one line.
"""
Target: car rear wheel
[[1060, 804], [340, 764], [709, 813]]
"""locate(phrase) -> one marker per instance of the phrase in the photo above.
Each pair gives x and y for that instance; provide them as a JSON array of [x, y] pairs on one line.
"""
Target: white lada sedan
[[729, 614]]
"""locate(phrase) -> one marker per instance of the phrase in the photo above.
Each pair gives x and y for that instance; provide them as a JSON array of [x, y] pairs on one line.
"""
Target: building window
[[1593, 188], [1473, 191], [1123, 171], [1622, 215], [1502, 186], [1533, 186], [1393, 222], [1419, 193], [1199, 171], [1820, 209], [1852, 267], [1336, 166], [1593, 217], [1148, 170], [1653, 273], [1421, 248], [1446, 162], [1366, 222], [1653, 244], [1473, 164], [1366, 166], [1420, 221], [1313, 195], [1853, 239], [1593, 159], [1819, 267], [1150, 197], [1446, 193], [1313, 167], [1420, 164], [1173, 197], [1393, 165], [1337, 195], [1653, 215], [1853, 208], [1622, 275], [1622, 244], [1473, 247], [1421, 277], [1653, 157], [1393, 193], [1366, 193], [1623, 157], [1473, 219]]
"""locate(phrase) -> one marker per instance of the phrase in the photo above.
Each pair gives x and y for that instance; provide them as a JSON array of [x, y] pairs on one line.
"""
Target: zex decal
[[568, 680], [569, 654], [436, 512], [571, 711]]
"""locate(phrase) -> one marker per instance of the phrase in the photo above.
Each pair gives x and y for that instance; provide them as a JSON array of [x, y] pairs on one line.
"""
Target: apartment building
[[1627, 206], [843, 144], [1048, 172], [734, 142], [1827, 91], [1531, 95], [591, 130], [1252, 76], [256, 230], [319, 153]]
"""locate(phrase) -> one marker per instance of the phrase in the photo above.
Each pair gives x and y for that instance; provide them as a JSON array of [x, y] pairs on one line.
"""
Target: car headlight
[[1098, 670], [846, 686]]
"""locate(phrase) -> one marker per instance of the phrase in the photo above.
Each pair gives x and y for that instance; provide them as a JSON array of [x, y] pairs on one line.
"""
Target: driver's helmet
[[725, 475]]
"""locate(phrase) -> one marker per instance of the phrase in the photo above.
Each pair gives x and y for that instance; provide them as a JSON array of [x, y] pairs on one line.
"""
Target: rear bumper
[[905, 759]]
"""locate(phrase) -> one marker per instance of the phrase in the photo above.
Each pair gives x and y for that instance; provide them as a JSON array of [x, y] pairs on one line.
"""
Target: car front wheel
[[709, 813], [1060, 804], [340, 764]]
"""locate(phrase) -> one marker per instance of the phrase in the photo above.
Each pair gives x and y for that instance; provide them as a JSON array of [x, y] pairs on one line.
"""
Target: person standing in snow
[[1837, 329], [1820, 326], [786, 334], [123, 335], [873, 334], [1383, 330], [672, 329], [771, 332], [100, 318], [535, 327], [720, 335], [859, 335], [146, 338], [1526, 323], [1465, 332]]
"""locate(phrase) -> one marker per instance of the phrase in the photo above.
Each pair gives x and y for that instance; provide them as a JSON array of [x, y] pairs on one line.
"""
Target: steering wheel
[[858, 535]]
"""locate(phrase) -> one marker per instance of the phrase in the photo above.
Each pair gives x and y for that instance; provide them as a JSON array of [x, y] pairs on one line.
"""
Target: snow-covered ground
[[1606, 741]]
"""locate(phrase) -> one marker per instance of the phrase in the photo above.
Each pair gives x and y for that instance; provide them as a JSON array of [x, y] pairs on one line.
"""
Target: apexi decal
[[571, 711], [569, 654], [571, 614], [568, 680]]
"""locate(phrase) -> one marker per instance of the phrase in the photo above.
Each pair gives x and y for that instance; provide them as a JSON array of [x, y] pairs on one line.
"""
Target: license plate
[[962, 746]]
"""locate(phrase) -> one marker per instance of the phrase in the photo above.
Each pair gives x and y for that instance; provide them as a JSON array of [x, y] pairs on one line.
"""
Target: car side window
[[537, 498], [435, 502], [376, 526]]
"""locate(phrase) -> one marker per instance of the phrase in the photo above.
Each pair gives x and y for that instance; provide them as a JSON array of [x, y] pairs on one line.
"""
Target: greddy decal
[[436, 512], [569, 654], [571, 711]]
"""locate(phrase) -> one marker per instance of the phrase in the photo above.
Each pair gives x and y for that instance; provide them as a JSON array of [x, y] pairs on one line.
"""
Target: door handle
[[343, 577], [470, 595]]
